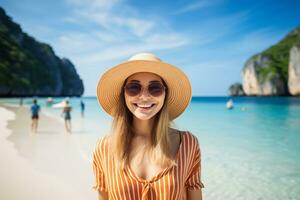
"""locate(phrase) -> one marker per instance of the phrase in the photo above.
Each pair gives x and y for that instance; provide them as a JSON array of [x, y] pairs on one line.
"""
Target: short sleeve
[[98, 167], [193, 181]]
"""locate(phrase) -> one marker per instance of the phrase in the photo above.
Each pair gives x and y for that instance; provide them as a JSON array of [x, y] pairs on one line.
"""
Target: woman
[[66, 112], [143, 158]]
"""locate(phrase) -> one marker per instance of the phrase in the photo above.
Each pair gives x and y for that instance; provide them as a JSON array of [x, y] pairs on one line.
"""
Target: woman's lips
[[144, 106]]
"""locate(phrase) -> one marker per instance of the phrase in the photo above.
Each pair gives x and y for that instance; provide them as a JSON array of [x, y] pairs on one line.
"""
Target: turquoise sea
[[250, 152]]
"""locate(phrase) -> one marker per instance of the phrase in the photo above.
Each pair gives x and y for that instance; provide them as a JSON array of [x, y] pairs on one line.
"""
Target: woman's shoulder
[[191, 136], [190, 146], [190, 141], [187, 135]]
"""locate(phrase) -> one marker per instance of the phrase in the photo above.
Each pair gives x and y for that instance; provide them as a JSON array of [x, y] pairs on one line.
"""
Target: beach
[[250, 152], [45, 165]]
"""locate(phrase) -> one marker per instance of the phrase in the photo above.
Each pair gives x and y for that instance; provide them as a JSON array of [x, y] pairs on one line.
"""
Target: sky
[[210, 40]]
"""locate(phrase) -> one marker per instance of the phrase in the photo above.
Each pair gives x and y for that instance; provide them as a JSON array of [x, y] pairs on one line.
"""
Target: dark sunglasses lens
[[156, 89], [133, 89]]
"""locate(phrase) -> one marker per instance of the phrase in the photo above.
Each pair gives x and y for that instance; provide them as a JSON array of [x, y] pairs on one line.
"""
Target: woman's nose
[[144, 93]]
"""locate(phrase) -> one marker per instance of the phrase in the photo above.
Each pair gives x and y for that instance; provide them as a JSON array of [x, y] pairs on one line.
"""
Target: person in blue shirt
[[35, 109]]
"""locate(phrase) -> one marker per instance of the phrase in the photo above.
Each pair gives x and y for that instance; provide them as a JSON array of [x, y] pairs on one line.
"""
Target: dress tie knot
[[146, 189]]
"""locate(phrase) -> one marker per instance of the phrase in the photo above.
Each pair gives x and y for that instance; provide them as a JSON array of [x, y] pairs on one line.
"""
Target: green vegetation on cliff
[[279, 55], [29, 67]]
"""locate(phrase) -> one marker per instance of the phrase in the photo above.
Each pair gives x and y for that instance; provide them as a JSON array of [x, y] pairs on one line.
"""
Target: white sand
[[42, 166]]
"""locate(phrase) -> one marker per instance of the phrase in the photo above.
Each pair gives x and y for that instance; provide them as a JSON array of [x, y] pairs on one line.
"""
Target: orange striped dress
[[171, 183]]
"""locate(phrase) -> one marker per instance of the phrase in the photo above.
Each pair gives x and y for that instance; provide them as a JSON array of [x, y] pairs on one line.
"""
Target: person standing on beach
[[35, 109], [21, 101], [82, 107], [66, 112], [143, 157]]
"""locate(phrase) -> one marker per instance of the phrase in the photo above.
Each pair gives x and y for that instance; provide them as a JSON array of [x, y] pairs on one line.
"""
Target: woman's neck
[[142, 128]]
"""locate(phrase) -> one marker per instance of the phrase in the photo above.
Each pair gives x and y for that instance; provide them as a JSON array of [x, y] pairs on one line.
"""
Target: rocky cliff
[[275, 71], [31, 68], [236, 90], [294, 71], [259, 79]]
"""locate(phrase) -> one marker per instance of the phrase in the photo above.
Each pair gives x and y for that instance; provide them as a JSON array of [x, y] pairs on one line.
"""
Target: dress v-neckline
[[161, 173]]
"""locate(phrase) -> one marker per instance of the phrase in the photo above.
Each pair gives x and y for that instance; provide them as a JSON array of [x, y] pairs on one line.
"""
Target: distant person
[[82, 106], [35, 109], [21, 101], [67, 115]]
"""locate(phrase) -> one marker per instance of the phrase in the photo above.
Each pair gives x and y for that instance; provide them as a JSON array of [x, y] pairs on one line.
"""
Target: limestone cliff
[[274, 71], [259, 81], [294, 71], [31, 68]]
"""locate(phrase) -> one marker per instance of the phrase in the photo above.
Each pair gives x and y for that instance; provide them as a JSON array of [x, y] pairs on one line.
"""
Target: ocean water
[[250, 152]]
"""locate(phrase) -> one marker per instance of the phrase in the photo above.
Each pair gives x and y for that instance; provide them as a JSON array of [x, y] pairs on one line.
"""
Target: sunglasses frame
[[164, 88]]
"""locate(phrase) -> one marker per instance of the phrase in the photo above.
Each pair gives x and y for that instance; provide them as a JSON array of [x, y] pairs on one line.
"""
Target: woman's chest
[[168, 184], [146, 164], [144, 168]]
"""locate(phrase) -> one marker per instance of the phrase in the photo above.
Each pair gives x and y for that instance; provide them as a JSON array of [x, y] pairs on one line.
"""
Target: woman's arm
[[194, 194], [102, 195]]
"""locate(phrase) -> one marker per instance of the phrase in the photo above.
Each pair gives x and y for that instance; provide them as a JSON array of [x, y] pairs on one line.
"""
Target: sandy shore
[[47, 165]]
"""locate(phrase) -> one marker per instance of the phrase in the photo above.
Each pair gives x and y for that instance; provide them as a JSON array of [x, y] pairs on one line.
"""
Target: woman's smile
[[144, 108], [143, 105]]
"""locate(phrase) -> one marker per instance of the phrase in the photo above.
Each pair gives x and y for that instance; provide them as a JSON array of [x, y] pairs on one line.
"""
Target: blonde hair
[[122, 134]]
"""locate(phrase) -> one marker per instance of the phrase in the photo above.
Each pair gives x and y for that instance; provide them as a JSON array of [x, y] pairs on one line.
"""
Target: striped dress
[[171, 183]]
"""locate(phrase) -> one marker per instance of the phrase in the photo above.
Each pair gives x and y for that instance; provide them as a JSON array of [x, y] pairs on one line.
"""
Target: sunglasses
[[155, 89]]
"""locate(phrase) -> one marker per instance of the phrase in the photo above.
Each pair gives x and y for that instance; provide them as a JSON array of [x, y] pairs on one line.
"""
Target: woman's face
[[144, 106]]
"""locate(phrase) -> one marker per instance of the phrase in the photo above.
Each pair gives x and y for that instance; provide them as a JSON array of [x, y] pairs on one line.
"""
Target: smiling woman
[[143, 157]]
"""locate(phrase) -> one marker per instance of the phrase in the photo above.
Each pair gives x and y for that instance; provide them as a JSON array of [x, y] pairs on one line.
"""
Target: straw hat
[[111, 82]]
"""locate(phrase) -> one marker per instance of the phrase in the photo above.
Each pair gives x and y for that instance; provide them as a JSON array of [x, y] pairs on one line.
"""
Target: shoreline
[[45, 165]]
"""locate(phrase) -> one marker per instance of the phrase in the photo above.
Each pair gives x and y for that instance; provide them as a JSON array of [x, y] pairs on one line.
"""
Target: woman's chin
[[143, 116]]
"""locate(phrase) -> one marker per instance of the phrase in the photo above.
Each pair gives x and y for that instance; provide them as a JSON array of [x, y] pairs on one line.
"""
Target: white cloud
[[192, 7], [255, 41], [222, 25], [170, 40], [90, 51], [112, 16], [119, 32], [112, 22], [94, 4], [229, 52]]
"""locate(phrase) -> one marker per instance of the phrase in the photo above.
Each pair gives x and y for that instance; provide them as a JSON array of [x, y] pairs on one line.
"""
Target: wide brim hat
[[111, 82]]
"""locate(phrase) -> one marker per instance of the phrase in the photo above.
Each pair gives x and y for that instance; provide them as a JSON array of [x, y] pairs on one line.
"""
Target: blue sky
[[210, 40]]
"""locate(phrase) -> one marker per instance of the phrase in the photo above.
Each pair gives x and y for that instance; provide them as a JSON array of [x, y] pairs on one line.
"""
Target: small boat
[[61, 104], [229, 104]]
